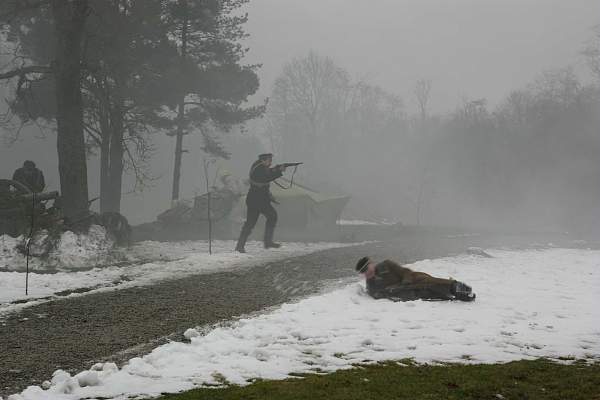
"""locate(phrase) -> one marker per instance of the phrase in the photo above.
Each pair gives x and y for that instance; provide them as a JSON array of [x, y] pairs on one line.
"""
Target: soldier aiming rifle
[[259, 199]]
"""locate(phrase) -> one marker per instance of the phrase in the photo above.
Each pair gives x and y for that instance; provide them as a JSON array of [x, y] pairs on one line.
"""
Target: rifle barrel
[[41, 196]]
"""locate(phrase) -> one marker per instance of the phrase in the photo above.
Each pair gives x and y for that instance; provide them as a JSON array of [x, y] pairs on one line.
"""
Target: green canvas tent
[[303, 208]]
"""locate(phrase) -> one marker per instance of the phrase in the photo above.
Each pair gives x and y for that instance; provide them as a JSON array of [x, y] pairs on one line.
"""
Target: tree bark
[[104, 161], [116, 160], [69, 20], [180, 122], [111, 117], [111, 160], [177, 166]]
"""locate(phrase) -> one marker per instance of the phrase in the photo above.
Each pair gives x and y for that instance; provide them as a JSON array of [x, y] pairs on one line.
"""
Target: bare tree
[[422, 90], [592, 52], [212, 83], [304, 93]]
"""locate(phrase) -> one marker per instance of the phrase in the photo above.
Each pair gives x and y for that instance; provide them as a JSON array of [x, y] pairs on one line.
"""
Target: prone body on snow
[[392, 280]]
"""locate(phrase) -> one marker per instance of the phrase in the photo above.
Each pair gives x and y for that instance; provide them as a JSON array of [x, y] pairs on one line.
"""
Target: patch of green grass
[[539, 379]]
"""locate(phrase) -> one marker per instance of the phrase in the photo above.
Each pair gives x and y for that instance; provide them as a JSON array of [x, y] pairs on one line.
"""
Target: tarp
[[302, 207], [299, 208]]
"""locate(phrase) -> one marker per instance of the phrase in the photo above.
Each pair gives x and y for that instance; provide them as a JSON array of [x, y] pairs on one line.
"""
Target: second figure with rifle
[[259, 199]]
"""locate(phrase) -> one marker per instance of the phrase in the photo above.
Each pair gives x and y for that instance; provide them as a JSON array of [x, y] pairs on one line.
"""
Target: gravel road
[[72, 334]]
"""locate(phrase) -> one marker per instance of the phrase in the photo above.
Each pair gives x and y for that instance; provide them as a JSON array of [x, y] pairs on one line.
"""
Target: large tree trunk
[[111, 117], [69, 18], [104, 162], [116, 161], [178, 154], [180, 121], [111, 161]]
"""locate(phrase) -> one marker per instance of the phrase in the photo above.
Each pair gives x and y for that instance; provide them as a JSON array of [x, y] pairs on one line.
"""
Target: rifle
[[42, 196], [285, 165], [291, 164]]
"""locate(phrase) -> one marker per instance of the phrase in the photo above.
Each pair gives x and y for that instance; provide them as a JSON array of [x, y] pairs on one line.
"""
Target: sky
[[467, 48]]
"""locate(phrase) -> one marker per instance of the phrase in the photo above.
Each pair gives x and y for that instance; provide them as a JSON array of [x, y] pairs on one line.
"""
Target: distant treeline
[[530, 163]]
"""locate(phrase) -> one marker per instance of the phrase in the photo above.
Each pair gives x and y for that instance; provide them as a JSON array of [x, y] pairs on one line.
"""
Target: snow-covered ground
[[70, 252], [143, 264], [537, 303], [355, 222], [362, 222]]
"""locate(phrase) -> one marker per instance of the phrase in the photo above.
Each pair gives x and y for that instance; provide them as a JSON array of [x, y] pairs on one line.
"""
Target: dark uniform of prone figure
[[258, 201], [388, 279], [30, 176]]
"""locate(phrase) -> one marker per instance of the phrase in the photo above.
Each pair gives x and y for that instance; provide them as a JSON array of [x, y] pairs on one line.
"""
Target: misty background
[[464, 113]]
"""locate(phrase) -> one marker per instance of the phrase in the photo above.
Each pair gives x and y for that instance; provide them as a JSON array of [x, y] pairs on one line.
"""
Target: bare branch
[[91, 131], [21, 72], [422, 89], [141, 176]]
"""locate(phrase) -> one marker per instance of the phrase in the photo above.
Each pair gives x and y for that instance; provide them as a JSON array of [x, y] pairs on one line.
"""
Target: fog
[[507, 139], [459, 45]]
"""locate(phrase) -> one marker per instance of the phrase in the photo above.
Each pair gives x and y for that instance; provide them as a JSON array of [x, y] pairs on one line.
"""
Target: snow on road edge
[[171, 261], [530, 304]]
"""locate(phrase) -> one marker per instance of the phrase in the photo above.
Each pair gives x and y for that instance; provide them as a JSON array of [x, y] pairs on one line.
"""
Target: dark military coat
[[391, 278], [32, 178], [259, 194]]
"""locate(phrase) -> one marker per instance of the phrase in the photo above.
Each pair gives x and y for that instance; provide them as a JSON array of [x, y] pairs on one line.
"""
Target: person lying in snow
[[393, 281]]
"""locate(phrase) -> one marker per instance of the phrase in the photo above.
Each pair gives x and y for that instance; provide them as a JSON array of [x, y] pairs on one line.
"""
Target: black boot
[[239, 247], [462, 291], [269, 243]]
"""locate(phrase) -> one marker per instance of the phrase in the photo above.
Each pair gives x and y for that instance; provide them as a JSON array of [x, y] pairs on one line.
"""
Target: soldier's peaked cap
[[361, 265], [265, 156]]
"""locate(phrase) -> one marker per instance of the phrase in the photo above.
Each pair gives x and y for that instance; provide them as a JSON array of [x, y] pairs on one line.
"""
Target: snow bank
[[530, 304], [72, 251], [356, 222], [144, 264], [363, 222]]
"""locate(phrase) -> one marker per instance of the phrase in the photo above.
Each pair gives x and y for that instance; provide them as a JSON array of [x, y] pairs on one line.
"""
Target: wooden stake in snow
[[29, 244], [206, 164]]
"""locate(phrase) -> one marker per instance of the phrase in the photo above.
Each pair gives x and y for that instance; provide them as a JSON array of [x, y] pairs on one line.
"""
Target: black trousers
[[253, 212]]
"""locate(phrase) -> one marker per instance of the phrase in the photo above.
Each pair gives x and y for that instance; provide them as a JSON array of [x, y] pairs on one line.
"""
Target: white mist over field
[[395, 168], [400, 129]]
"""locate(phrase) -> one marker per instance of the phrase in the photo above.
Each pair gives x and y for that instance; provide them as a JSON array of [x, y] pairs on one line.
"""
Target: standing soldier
[[258, 201]]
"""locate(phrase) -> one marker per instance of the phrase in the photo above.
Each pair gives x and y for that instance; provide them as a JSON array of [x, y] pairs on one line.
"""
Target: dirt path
[[72, 334]]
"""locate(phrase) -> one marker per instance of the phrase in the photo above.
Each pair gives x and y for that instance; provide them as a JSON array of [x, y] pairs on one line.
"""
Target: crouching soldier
[[30, 176], [388, 279]]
